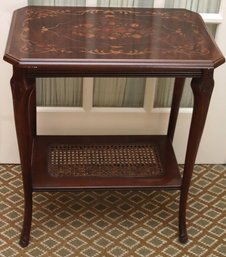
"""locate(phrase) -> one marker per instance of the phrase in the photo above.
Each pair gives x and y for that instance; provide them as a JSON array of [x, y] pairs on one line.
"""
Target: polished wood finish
[[202, 90], [177, 94], [117, 38], [43, 181], [66, 41]]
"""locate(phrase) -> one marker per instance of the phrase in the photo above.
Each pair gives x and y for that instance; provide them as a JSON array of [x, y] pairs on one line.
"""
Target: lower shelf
[[110, 162]]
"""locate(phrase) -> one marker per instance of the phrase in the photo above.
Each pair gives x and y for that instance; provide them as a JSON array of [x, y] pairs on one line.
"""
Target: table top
[[139, 37]]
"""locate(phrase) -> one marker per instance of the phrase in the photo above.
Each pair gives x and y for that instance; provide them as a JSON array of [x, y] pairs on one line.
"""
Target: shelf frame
[[42, 180]]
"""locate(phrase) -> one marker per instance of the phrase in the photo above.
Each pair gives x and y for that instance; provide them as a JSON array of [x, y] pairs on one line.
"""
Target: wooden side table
[[67, 41]]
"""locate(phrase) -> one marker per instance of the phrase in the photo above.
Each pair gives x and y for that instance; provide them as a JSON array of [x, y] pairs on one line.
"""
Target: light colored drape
[[57, 2], [120, 92], [125, 3], [201, 6], [164, 88], [164, 92], [59, 91]]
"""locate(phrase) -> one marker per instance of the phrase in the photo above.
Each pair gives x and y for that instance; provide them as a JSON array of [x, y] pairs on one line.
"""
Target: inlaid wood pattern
[[67, 33]]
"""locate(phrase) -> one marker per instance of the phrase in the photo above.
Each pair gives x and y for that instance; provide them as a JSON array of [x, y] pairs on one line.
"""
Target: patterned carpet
[[116, 223]]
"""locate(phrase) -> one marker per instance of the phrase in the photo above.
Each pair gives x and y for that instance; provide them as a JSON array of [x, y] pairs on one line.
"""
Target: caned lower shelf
[[111, 162]]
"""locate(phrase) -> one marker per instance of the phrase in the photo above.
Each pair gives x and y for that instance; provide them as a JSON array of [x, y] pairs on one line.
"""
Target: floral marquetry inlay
[[110, 33]]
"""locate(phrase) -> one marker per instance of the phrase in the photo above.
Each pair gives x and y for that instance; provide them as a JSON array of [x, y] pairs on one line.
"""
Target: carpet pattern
[[116, 223]]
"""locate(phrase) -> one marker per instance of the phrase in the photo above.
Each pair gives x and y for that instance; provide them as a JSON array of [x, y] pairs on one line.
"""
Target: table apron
[[77, 73]]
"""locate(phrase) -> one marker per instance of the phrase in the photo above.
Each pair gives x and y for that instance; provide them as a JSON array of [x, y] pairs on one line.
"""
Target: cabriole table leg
[[202, 90], [23, 101], [25, 233]]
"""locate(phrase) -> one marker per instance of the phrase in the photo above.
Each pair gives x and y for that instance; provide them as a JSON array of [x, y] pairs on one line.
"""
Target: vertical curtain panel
[[57, 2], [108, 92], [120, 92], [125, 3], [201, 6], [117, 92], [164, 88], [59, 91]]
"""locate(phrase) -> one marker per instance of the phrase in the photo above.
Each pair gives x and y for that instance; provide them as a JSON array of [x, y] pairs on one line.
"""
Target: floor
[[116, 223]]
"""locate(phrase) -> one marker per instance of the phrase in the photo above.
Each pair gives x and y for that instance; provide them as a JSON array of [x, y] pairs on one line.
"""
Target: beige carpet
[[116, 223]]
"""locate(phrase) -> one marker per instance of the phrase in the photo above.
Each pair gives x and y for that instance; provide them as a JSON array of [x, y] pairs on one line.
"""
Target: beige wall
[[8, 142]]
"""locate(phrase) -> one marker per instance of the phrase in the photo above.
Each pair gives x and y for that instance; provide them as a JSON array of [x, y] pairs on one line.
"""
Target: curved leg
[[23, 101], [202, 90], [25, 233]]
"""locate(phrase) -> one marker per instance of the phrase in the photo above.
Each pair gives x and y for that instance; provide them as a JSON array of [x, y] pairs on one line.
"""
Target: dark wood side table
[[64, 41]]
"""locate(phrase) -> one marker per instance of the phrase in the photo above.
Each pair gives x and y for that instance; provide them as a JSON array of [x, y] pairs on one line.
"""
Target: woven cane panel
[[104, 160]]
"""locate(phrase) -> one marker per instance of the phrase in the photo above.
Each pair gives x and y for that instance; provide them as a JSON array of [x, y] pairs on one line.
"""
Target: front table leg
[[23, 100], [202, 90]]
